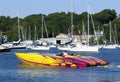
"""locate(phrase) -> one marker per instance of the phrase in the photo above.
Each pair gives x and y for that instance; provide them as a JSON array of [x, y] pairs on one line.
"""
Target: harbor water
[[12, 70]]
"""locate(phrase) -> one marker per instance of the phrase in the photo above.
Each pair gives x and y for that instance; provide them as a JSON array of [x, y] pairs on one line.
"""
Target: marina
[[59, 41]]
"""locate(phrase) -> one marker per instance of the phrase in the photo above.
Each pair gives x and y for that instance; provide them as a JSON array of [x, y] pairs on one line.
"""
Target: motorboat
[[55, 60]]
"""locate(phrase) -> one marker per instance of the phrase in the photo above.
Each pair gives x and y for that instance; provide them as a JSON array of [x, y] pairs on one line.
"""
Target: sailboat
[[86, 47], [77, 45], [40, 44], [68, 47], [28, 41], [16, 44], [111, 45], [19, 44]]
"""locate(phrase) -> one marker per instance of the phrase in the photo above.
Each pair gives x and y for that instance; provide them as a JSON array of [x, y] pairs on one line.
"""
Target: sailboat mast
[[116, 38], [88, 22], [18, 27], [22, 31], [29, 37], [45, 27], [42, 26], [83, 31], [96, 38], [110, 33], [72, 25], [35, 33]]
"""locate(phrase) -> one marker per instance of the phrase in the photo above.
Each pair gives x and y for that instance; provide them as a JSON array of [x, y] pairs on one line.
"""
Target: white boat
[[84, 48], [68, 47], [79, 47], [110, 46], [7, 45], [18, 45], [4, 49], [15, 45], [40, 47]]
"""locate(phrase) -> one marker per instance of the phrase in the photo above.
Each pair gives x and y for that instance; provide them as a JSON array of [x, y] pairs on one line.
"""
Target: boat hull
[[5, 50]]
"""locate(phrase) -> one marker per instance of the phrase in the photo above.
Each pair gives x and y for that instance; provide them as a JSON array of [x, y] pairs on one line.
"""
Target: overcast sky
[[28, 7]]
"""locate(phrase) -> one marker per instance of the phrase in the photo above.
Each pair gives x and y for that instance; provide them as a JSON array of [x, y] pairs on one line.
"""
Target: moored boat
[[4, 49]]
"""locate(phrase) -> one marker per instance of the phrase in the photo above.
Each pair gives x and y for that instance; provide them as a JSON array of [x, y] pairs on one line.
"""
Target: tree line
[[59, 22]]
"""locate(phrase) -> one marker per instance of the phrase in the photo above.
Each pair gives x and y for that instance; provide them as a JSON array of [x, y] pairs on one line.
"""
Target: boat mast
[[110, 33], [116, 41], [72, 25], [83, 31], [29, 36], [42, 26], [23, 36], [45, 27], [18, 27], [96, 38], [88, 22], [36, 37]]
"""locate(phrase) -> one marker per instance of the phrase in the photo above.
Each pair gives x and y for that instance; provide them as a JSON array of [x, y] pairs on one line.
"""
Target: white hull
[[85, 48], [18, 47], [64, 48], [40, 48], [110, 46], [80, 48]]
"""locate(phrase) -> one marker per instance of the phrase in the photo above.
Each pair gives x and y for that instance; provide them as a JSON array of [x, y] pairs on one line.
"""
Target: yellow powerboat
[[37, 59]]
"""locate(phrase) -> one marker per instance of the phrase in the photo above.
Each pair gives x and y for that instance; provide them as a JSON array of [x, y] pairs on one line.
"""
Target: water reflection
[[90, 74], [36, 71]]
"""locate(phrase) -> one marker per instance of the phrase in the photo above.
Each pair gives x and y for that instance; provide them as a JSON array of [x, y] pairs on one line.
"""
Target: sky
[[29, 7]]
